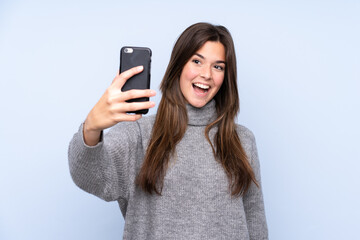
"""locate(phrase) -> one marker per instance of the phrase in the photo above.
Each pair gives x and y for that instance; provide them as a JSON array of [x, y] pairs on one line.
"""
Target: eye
[[196, 61], [218, 67]]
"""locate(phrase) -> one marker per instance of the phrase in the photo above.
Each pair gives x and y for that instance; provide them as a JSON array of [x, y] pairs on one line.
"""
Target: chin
[[198, 104]]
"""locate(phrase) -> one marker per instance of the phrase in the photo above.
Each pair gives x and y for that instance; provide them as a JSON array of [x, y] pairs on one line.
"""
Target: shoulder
[[131, 130], [146, 122], [247, 140], [245, 134], [145, 125]]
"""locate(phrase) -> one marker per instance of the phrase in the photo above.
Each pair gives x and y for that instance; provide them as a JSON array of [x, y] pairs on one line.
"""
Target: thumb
[[121, 78]]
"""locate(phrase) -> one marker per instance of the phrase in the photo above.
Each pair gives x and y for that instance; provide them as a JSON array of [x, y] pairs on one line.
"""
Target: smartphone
[[131, 57]]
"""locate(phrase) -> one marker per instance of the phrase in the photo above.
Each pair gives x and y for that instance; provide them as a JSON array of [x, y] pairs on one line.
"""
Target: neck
[[201, 116]]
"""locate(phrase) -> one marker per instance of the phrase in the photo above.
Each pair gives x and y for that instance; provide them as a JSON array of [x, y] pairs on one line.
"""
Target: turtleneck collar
[[201, 116]]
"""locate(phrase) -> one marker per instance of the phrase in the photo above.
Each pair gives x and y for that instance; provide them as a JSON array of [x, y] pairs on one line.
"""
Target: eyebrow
[[202, 57]]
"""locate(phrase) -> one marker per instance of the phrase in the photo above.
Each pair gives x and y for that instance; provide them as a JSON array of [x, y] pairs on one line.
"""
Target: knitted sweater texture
[[195, 201]]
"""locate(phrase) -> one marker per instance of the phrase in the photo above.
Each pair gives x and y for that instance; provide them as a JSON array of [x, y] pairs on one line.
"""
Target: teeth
[[202, 86]]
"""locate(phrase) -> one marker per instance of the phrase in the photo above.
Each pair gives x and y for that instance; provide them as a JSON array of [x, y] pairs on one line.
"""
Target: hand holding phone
[[113, 106]]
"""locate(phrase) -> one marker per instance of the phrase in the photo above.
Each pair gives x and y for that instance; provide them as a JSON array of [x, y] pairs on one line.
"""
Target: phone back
[[131, 57]]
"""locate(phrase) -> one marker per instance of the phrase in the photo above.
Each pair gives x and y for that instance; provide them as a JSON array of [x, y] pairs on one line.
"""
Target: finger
[[124, 107], [120, 79], [132, 94], [128, 117], [118, 96]]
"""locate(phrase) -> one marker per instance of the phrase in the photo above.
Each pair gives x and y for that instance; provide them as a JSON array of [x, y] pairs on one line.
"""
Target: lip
[[206, 84], [199, 93]]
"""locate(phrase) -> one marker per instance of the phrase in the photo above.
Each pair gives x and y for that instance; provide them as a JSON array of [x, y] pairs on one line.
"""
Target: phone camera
[[128, 50]]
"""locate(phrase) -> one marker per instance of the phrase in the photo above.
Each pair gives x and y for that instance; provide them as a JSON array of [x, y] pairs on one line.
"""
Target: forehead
[[212, 51]]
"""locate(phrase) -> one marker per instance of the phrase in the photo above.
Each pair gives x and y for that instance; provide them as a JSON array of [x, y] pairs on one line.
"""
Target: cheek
[[189, 73], [218, 80]]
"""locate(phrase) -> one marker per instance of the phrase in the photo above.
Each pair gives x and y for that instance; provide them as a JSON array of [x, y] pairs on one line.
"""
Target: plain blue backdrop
[[299, 74]]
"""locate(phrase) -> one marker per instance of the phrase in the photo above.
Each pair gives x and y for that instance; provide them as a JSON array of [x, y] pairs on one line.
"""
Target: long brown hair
[[171, 119]]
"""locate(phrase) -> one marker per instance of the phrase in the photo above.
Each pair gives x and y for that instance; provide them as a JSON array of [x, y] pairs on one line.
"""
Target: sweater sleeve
[[253, 199], [104, 169]]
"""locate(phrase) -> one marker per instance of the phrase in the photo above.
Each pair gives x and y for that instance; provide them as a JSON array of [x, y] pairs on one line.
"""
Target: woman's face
[[203, 75]]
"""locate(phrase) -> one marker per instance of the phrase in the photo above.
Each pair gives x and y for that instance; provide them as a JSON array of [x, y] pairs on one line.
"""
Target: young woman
[[188, 172]]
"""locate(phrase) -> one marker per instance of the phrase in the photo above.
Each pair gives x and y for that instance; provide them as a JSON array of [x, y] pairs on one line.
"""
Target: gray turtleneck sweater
[[195, 201]]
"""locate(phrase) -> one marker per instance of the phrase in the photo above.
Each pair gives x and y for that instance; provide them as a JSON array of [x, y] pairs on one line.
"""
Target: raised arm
[[100, 164]]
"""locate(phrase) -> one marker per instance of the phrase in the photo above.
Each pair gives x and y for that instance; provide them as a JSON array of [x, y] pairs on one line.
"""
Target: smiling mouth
[[200, 88]]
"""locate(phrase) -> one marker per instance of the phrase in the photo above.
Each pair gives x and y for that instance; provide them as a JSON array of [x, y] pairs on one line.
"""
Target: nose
[[205, 72]]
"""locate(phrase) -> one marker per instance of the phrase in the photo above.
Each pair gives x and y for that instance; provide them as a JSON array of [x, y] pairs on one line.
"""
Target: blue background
[[299, 74]]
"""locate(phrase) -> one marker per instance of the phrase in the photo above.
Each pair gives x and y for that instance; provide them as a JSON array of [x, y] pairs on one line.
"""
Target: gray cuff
[[81, 134]]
